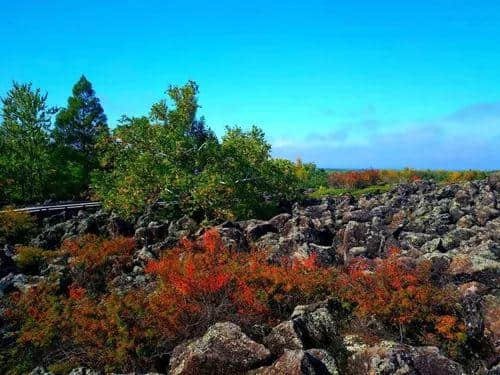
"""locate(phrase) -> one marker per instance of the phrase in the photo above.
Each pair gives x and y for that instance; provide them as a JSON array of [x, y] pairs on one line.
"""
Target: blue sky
[[341, 83]]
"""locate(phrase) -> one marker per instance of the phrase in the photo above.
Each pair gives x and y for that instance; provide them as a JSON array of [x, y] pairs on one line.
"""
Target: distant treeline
[[170, 154]]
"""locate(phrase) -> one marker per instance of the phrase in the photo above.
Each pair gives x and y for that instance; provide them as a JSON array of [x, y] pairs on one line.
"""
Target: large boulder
[[300, 362], [494, 181], [11, 282], [491, 316], [390, 358], [223, 349], [85, 371], [310, 326]]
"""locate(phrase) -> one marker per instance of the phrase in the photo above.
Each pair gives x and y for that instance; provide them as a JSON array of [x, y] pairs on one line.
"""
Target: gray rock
[[387, 357], [10, 282], [40, 371], [300, 362], [224, 349], [259, 228], [85, 371], [310, 326]]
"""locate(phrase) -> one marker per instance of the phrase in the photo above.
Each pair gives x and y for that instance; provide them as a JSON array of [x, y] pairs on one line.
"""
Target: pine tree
[[80, 124]]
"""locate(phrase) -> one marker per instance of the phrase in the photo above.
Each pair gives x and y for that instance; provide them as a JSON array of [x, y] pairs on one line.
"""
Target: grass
[[328, 192]]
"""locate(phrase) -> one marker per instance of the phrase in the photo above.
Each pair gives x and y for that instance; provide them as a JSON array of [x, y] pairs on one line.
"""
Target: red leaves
[[76, 292], [92, 251], [204, 277], [399, 293], [354, 179]]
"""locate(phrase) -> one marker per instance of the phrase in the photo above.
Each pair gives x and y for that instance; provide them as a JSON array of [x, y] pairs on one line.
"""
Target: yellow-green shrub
[[15, 226]]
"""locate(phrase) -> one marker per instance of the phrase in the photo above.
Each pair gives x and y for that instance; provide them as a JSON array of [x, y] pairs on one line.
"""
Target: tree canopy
[[79, 126]]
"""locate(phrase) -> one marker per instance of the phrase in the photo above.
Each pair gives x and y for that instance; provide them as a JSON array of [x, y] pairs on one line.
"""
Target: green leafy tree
[[154, 157], [79, 126], [171, 155], [310, 176], [25, 160], [244, 181]]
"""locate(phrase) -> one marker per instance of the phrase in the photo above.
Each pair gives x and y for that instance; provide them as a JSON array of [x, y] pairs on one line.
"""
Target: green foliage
[[79, 126], [326, 192], [26, 170], [243, 181], [15, 226], [31, 259], [310, 176], [172, 156]]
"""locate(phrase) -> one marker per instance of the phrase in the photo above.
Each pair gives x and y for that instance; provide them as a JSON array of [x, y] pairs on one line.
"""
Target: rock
[[51, 238], [85, 371], [491, 316], [183, 227], [7, 264], [357, 215], [41, 371], [310, 326], [465, 268], [484, 214], [119, 227], [283, 336], [414, 239], [326, 255], [357, 251], [279, 221], [10, 282], [473, 317], [232, 236], [495, 370], [472, 288], [224, 349], [466, 221], [433, 245], [494, 181], [259, 228], [300, 362], [388, 357]]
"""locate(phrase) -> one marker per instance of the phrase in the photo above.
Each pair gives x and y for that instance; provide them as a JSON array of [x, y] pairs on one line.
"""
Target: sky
[[344, 84]]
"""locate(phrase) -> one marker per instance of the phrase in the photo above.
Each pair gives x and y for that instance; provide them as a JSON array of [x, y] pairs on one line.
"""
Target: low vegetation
[[201, 282], [15, 226]]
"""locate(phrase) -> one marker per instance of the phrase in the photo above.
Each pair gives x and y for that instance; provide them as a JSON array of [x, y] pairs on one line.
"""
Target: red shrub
[[401, 295], [92, 251], [96, 261], [205, 282], [354, 179]]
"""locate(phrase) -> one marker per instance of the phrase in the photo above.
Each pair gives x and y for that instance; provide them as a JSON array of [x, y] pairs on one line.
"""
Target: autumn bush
[[197, 284], [370, 177], [62, 330], [95, 261], [204, 282], [15, 226], [401, 295], [354, 179]]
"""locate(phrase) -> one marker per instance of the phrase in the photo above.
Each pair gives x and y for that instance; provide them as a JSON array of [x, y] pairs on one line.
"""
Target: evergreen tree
[[25, 160], [79, 126]]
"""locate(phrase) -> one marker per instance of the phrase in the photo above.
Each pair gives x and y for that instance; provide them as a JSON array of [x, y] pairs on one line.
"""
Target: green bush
[[15, 226], [31, 259]]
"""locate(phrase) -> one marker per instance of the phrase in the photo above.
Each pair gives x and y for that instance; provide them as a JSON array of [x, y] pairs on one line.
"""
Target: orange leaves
[[92, 251], [354, 179], [76, 292], [202, 282], [206, 279], [400, 293]]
